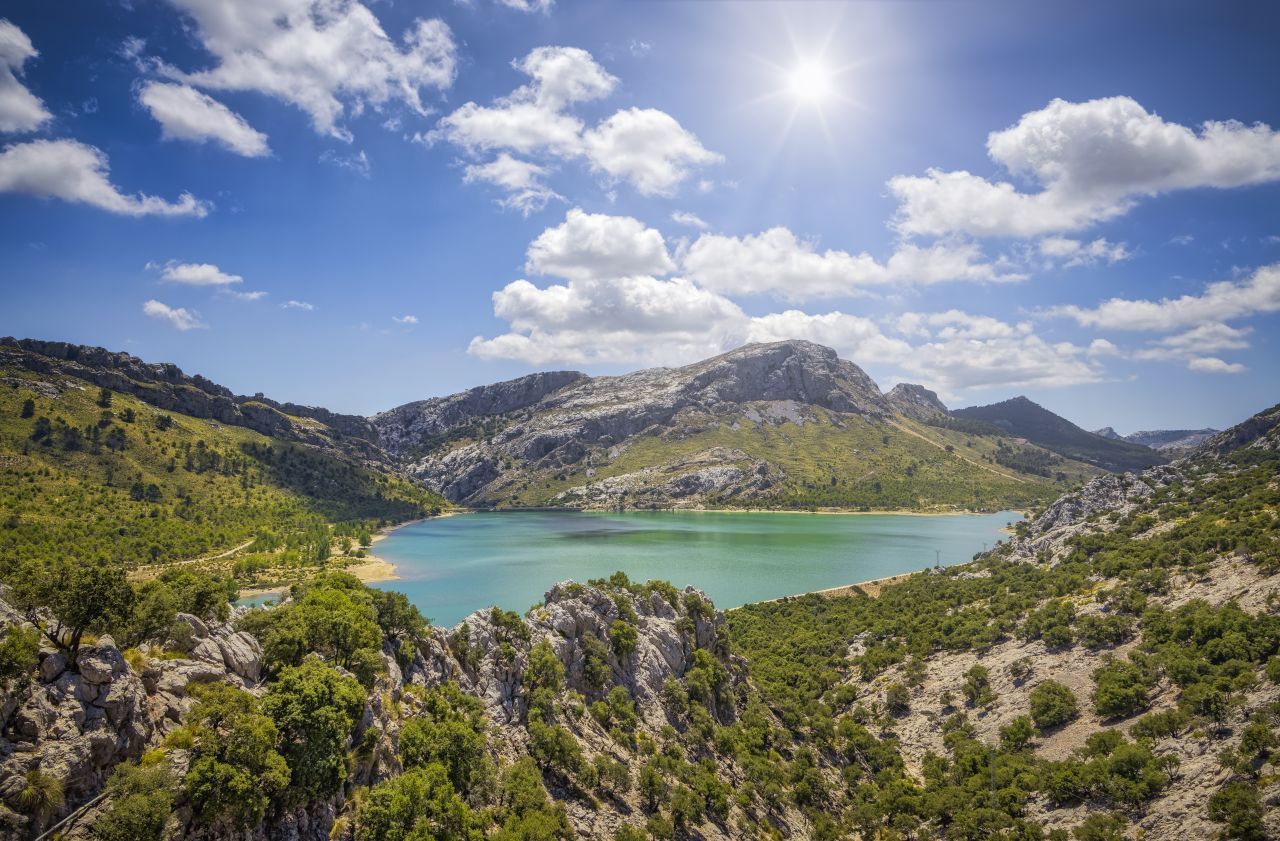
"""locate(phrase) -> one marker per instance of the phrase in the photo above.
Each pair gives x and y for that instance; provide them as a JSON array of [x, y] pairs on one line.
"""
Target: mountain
[[1025, 419], [787, 424], [1108, 433], [916, 401], [1173, 442], [103, 454]]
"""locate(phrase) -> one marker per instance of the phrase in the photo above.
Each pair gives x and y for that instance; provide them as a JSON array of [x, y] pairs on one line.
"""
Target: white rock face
[[563, 419]]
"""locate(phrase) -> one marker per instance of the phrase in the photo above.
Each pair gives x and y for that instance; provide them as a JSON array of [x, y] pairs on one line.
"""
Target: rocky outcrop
[[916, 402], [1172, 442], [553, 421]]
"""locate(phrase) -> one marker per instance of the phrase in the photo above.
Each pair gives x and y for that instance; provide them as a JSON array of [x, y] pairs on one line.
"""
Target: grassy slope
[[850, 450], [59, 501]]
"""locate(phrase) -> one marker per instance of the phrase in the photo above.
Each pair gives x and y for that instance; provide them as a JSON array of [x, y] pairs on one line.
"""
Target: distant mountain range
[[1171, 442], [1038, 425], [781, 425]]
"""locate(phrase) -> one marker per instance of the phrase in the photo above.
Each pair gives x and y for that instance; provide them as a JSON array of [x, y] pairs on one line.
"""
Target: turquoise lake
[[452, 566]]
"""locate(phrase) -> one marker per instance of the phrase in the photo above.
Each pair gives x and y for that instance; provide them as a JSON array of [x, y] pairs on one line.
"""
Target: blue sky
[[1078, 204]]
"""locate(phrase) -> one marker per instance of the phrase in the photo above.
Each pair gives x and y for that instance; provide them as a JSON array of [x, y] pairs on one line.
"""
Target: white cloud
[[327, 57], [1204, 338], [626, 319], [405, 319], [180, 317], [522, 181], [531, 119], [245, 296], [1093, 160], [692, 220], [20, 110], [1213, 365], [854, 337], [589, 246], [297, 305], [646, 148], [1221, 301], [1072, 252], [195, 274], [776, 261], [529, 5], [75, 172], [186, 114], [357, 162]]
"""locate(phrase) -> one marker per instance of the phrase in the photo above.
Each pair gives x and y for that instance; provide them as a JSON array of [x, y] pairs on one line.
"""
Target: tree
[[315, 709], [237, 770], [977, 686], [1101, 827], [104, 398], [1120, 688], [396, 615], [1017, 734], [418, 804], [81, 596], [896, 698], [28, 408], [623, 637], [1238, 806], [1052, 705]]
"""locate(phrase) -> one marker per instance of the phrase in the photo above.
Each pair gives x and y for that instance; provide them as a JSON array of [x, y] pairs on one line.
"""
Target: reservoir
[[451, 566]]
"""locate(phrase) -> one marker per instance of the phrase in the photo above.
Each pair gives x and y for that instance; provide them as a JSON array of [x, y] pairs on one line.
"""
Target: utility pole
[[937, 558]]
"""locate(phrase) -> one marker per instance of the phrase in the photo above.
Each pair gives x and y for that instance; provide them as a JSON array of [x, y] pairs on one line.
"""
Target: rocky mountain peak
[[1109, 433], [916, 401]]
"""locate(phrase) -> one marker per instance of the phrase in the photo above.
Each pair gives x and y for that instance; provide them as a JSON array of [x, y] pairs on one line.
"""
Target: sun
[[809, 82]]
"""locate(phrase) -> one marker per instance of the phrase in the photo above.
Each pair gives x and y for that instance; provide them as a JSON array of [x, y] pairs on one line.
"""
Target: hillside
[[102, 455], [787, 425], [1111, 671], [1025, 419]]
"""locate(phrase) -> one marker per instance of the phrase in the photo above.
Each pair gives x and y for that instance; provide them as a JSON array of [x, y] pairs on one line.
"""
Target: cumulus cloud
[[330, 58], [179, 317], [528, 5], [75, 172], [854, 337], [522, 181], [778, 262], [646, 148], [297, 305], [20, 109], [244, 296], [630, 319], [195, 274], [1092, 161], [186, 114], [405, 319], [589, 246], [1259, 293]]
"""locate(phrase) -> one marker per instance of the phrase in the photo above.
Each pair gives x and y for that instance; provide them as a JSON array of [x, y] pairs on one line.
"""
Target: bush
[[1108, 827], [19, 653], [1052, 705], [420, 803], [977, 686], [141, 797], [1237, 805], [315, 709], [897, 699], [1017, 734], [1120, 688]]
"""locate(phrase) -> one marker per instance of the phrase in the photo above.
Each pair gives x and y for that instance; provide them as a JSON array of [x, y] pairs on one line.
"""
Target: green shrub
[[1052, 705], [141, 797], [1121, 688]]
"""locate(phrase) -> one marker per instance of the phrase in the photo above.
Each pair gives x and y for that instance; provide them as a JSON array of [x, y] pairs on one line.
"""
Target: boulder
[[101, 663]]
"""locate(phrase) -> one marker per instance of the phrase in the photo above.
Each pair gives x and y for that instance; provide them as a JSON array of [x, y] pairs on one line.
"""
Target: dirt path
[[956, 453], [144, 573]]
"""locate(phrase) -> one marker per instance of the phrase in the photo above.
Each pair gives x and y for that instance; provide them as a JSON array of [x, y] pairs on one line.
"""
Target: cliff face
[[77, 725], [916, 401], [550, 421]]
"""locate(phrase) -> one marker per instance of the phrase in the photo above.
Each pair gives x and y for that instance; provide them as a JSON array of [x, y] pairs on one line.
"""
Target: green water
[[452, 566]]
